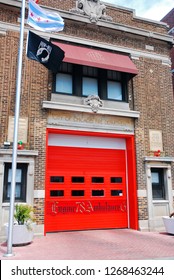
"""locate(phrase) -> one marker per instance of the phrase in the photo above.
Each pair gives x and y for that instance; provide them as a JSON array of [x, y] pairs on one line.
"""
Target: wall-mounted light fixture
[[7, 144]]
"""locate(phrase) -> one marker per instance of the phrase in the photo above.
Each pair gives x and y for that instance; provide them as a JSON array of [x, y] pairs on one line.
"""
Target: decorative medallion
[[94, 101], [92, 8]]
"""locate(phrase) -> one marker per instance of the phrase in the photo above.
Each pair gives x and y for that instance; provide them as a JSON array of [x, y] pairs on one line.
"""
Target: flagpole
[[15, 135]]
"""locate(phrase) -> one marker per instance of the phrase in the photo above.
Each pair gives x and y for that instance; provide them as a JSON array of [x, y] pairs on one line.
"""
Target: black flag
[[45, 52]]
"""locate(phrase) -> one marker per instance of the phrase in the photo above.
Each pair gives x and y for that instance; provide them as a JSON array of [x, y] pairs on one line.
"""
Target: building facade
[[97, 136]]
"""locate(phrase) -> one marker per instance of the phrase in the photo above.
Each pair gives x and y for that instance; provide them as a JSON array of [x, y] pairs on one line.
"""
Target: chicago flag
[[43, 20]]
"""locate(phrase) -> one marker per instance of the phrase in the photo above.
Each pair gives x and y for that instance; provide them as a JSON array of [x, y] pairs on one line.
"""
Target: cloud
[[154, 9]]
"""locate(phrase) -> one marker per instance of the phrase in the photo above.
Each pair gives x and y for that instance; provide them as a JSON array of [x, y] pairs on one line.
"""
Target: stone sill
[[30, 153], [86, 109], [159, 159]]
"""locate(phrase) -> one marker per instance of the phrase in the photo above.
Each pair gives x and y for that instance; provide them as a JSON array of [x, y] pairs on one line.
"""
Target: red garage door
[[85, 183]]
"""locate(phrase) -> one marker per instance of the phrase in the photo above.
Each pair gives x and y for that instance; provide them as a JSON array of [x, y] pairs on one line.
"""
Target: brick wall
[[142, 207], [59, 4], [116, 38], [39, 210], [7, 80], [9, 14], [154, 99]]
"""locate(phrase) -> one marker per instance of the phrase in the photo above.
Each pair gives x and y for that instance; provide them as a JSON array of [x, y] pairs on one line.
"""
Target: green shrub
[[23, 214]]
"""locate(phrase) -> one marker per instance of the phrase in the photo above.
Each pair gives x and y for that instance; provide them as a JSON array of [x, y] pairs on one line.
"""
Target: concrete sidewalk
[[117, 244]]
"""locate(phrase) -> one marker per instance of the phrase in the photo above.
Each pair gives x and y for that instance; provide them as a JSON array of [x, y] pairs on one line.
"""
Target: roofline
[[106, 24], [134, 14], [17, 3]]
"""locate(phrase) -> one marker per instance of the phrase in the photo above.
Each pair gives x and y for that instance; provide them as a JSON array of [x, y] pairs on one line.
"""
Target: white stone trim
[[159, 159], [82, 108], [2, 32], [135, 56], [143, 225], [149, 47], [142, 193], [155, 219], [39, 230], [11, 2], [72, 125], [39, 194], [166, 63], [28, 153]]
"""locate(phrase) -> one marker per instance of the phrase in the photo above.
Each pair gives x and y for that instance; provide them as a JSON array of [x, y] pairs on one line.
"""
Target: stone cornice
[[102, 23], [15, 3]]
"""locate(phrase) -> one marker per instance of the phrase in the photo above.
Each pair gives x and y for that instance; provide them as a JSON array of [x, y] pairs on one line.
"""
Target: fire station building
[[97, 137]]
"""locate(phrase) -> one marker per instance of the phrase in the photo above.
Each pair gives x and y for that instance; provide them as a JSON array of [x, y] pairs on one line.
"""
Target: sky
[[150, 9]]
